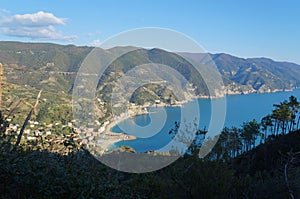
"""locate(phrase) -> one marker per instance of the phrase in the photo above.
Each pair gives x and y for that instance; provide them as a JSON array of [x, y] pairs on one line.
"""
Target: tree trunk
[[298, 122], [282, 128], [286, 176], [26, 121], [290, 126], [266, 133], [22, 129]]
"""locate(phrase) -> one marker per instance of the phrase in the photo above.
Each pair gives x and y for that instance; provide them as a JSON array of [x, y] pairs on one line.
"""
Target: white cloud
[[37, 26], [96, 43], [37, 19]]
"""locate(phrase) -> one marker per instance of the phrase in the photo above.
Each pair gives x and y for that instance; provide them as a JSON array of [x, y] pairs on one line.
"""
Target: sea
[[153, 130]]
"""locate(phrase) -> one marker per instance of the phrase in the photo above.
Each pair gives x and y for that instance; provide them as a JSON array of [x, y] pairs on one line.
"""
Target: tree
[[265, 123], [250, 131], [235, 141], [282, 115], [229, 144], [294, 107], [26, 120], [291, 160]]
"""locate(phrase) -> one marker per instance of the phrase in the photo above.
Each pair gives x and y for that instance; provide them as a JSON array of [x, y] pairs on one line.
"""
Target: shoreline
[[248, 93], [115, 137]]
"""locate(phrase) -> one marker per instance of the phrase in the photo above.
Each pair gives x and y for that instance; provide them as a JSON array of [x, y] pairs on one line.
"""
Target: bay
[[239, 109]]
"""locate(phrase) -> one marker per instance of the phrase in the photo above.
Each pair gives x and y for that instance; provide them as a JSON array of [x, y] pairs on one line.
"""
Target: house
[[27, 131], [101, 129], [31, 138]]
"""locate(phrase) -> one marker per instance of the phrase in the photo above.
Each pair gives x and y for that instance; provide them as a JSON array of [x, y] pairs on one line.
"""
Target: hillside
[[153, 58], [262, 74], [54, 67], [269, 156], [73, 172], [47, 56]]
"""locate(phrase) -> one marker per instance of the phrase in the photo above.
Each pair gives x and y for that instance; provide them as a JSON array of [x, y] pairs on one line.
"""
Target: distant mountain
[[140, 57], [36, 55], [54, 68], [41, 65], [262, 74]]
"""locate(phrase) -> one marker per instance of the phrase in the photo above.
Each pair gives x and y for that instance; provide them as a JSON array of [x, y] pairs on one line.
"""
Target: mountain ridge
[[48, 62], [263, 74]]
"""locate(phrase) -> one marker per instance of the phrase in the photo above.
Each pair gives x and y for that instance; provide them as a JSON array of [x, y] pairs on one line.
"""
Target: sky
[[254, 28]]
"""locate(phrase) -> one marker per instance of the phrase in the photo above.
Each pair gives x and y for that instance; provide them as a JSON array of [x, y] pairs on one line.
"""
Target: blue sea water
[[239, 109]]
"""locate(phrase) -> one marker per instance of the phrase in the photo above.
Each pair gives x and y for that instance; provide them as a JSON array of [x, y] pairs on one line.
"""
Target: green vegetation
[[257, 160], [260, 74], [53, 68], [235, 168], [152, 92], [236, 141]]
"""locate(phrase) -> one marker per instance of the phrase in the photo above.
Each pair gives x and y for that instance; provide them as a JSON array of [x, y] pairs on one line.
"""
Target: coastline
[[247, 93], [114, 137]]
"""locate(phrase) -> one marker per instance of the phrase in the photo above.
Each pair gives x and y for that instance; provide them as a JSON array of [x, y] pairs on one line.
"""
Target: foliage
[[58, 166]]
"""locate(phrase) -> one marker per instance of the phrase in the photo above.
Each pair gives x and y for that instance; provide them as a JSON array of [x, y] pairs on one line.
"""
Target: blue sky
[[251, 28]]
